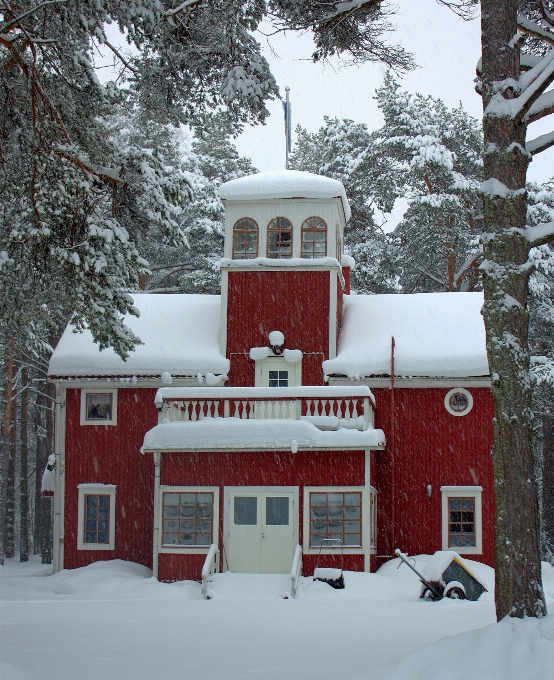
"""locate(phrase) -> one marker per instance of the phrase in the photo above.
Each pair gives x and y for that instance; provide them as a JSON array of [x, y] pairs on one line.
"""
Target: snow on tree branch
[[541, 143], [540, 234], [531, 28], [544, 106]]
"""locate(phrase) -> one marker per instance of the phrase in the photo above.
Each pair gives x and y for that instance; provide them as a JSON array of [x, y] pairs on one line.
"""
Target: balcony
[[327, 408]]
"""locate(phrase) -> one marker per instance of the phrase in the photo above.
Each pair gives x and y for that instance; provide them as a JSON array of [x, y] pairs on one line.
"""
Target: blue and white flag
[[288, 124]]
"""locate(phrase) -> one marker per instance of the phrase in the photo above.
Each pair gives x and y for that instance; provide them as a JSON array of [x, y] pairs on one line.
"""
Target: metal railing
[[211, 566], [296, 571]]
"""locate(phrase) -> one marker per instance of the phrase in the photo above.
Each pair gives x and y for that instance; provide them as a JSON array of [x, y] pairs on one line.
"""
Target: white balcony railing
[[326, 407]]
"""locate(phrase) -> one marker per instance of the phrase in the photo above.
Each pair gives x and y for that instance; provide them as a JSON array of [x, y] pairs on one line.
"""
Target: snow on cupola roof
[[436, 335], [284, 184], [180, 335]]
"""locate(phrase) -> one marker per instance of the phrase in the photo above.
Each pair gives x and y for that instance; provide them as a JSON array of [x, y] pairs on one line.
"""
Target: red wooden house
[[279, 414]]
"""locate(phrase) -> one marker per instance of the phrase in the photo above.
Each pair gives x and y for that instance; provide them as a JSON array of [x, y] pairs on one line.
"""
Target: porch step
[[249, 586]]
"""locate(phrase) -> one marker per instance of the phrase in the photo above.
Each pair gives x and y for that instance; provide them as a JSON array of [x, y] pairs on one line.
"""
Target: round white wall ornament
[[458, 402]]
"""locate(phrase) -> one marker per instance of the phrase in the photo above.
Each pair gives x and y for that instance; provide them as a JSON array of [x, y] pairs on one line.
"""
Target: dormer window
[[245, 239], [314, 238], [279, 238]]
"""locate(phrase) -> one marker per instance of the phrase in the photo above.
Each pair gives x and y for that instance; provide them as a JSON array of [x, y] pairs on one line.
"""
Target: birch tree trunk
[[506, 271]]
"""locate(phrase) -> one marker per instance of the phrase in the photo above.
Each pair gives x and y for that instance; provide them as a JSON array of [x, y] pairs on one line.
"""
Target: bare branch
[[120, 57]]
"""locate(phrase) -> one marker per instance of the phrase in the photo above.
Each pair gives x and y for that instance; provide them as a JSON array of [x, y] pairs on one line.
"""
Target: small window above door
[[276, 372]]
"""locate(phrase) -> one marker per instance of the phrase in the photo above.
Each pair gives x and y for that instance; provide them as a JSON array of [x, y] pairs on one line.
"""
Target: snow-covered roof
[[284, 184], [180, 335], [436, 335], [211, 434]]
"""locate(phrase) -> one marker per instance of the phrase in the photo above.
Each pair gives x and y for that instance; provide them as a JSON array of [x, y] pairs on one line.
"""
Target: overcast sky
[[446, 48]]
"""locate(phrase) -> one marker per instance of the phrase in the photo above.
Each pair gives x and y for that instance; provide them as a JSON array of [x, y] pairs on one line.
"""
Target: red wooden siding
[[295, 303], [346, 273], [269, 468], [108, 454], [432, 447]]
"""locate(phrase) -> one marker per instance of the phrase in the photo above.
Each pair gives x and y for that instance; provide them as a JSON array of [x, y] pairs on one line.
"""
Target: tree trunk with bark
[[548, 487], [7, 422], [506, 271], [24, 471]]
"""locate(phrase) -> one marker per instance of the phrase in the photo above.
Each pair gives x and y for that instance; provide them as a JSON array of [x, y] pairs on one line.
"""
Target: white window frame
[[279, 364], [464, 492], [84, 420], [468, 396], [365, 548], [188, 549], [95, 490]]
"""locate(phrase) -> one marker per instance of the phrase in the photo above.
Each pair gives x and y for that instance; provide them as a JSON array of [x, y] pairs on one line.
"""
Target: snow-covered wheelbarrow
[[445, 575], [331, 576]]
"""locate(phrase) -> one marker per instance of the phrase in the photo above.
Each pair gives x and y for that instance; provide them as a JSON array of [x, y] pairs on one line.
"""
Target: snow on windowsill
[[290, 262]]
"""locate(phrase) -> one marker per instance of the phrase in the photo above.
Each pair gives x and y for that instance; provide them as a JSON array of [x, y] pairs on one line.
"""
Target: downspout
[[393, 443], [156, 535]]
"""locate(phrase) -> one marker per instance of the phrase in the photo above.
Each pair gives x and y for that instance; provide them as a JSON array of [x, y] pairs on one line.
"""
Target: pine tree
[[346, 151], [212, 160], [435, 153]]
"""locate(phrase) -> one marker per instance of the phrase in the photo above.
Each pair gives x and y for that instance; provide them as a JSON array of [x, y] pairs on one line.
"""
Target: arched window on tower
[[245, 239], [314, 238], [279, 238]]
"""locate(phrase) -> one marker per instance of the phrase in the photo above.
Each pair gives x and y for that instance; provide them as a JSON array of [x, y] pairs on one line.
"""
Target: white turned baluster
[[226, 408]]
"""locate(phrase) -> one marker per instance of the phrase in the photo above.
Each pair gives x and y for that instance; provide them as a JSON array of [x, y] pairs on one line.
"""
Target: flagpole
[[287, 127]]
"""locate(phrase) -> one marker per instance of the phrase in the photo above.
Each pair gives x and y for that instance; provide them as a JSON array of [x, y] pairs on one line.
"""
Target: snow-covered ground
[[113, 621]]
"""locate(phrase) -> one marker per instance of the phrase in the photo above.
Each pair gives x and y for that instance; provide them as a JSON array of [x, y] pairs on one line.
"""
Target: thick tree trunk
[[548, 487], [23, 472], [47, 504], [41, 414], [506, 272], [7, 423]]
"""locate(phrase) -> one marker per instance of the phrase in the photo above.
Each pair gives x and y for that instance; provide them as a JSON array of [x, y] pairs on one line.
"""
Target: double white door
[[261, 532]]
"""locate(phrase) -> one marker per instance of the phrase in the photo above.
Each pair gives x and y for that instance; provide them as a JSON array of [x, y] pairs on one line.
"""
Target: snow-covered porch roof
[[235, 434], [180, 335], [436, 335]]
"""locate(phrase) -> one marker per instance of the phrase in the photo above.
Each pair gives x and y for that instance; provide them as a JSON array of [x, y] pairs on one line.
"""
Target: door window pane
[[246, 510], [276, 511]]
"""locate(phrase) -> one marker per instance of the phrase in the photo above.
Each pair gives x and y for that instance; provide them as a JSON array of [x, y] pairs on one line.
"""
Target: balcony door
[[261, 531]]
